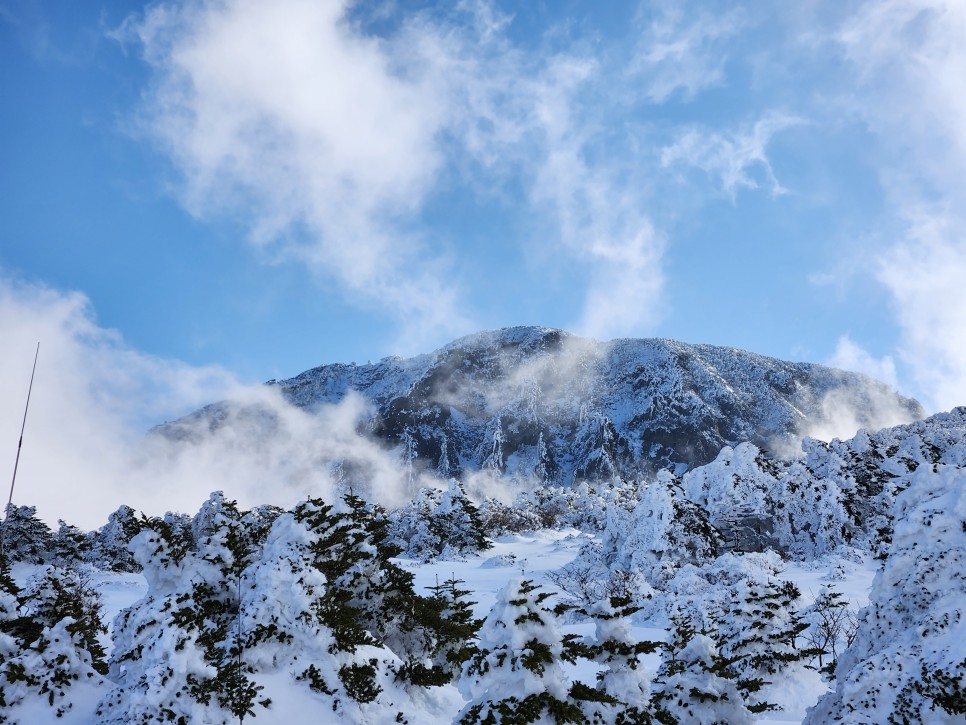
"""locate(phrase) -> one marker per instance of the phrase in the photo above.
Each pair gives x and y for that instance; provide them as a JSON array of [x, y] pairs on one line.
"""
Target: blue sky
[[236, 190]]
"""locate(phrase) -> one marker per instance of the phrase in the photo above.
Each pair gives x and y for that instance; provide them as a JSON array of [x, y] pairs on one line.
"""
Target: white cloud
[[333, 141], [85, 451], [925, 274], [736, 159], [849, 355], [910, 59], [681, 48], [599, 208], [92, 398], [324, 137]]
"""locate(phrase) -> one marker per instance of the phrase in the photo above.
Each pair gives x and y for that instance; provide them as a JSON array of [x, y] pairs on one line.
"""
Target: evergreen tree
[[9, 612], [693, 684], [49, 648], [622, 694], [760, 633], [645, 546], [54, 670], [457, 632], [26, 538], [410, 527], [70, 545], [369, 598], [456, 523], [54, 594], [517, 675], [178, 652], [296, 620], [435, 524], [223, 540], [110, 546]]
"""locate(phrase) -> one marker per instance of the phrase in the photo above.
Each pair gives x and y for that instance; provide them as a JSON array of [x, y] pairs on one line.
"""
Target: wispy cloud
[[681, 49], [910, 61], [332, 141], [924, 272], [92, 400], [736, 159], [849, 355]]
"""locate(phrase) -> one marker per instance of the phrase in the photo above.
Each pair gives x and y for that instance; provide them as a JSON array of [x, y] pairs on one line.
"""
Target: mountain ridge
[[542, 402]]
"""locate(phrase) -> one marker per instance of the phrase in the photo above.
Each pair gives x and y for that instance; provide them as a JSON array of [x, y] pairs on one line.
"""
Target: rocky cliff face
[[538, 402]]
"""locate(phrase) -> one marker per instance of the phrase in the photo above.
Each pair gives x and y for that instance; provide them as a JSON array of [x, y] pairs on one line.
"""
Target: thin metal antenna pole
[[16, 463]]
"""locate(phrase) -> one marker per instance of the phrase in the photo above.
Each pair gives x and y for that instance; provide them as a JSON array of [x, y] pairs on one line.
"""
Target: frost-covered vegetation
[[675, 599]]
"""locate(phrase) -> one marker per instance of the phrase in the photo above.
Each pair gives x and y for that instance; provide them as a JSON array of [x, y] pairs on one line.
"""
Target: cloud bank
[[85, 449]]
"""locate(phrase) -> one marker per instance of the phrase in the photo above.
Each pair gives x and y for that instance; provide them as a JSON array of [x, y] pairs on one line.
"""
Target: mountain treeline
[[245, 610]]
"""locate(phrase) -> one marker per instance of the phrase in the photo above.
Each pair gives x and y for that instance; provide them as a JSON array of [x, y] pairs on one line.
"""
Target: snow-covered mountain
[[726, 593], [534, 402]]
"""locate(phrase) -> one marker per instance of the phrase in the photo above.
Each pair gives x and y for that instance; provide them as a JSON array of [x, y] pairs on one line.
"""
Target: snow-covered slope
[[537, 402]]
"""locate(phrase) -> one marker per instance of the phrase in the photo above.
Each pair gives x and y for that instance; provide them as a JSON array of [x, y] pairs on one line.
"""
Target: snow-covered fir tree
[[70, 545], [51, 660], [622, 693], [110, 547], [908, 660], [456, 635], [760, 632], [25, 537], [368, 591], [49, 677], [517, 675], [410, 528], [694, 683], [55, 593], [290, 626], [456, 523], [177, 650]]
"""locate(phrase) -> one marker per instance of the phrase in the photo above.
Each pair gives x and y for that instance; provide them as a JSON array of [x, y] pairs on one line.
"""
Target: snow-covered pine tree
[[456, 635], [365, 586], [497, 518], [25, 537], [907, 662], [224, 539], [410, 527], [49, 676], [177, 652], [456, 523], [70, 545], [759, 633], [693, 683], [662, 533], [737, 489], [622, 694], [337, 547], [110, 550], [810, 516], [259, 520], [51, 655], [9, 614], [54, 594], [344, 660], [517, 674]]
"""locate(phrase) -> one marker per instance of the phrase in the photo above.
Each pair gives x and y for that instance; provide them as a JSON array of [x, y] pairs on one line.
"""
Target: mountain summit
[[538, 402]]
